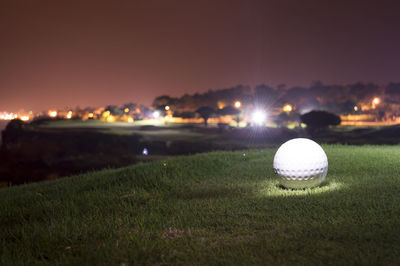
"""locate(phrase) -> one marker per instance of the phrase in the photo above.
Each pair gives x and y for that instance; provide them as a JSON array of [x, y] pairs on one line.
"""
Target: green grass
[[163, 133], [215, 208]]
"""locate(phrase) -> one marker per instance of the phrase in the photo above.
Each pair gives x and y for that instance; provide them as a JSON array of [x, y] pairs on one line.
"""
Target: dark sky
[[93, 53]]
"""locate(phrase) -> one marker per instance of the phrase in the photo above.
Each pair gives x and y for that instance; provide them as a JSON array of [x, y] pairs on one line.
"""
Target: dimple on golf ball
[[301, 163]]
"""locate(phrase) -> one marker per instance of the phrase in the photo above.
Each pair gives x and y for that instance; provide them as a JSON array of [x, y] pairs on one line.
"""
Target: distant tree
[[381, 115], [188, 115], [15, 125], [230, 95], [160, 102], [346, 107], [130, 106], [205, 112], [318, 96], [393, 93], [307, 105], [285, 118], [230, 110], [189, 103], [299, 97], [264, 96], [114, 110], [361, 92], [185, 114], [319, 120], [393, 89], [282, 119], [329, 95]]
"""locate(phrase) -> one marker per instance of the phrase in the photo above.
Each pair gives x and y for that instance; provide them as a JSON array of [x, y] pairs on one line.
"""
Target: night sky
[[55, 54]]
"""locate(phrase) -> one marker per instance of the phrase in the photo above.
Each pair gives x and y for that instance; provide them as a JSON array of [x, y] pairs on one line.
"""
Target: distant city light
[[69, 115], [356, 108], [156, 114], [221, 104], [24, 118], [8, 116], [126, 110], [375, 102], [238, 104], [110, 118], [90, 115], [259, 117], [167, 108], [53, 114], [106, 113], [287, 108]]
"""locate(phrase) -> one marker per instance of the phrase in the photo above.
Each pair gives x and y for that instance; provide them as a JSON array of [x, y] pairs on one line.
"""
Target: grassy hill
[[213, 208]]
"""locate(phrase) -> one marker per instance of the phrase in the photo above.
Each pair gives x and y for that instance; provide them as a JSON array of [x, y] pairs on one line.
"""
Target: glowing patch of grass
[[274, 189], [216, 208]]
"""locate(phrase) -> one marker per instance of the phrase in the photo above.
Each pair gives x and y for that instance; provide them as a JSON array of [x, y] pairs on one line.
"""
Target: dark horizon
[[58, 54]]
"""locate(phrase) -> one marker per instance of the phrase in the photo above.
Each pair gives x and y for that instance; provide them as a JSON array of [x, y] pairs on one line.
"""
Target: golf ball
[[301, 163]]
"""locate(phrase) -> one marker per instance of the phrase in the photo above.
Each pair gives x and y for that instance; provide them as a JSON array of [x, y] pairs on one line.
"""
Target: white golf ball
[[301, 163]]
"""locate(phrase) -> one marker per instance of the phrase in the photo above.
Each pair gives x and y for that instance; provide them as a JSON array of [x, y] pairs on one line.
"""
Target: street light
[[24, 118], [375, 102], [238, 104], [156, 114], [259, 117], [287, 108], [52, 114], [69, 115]]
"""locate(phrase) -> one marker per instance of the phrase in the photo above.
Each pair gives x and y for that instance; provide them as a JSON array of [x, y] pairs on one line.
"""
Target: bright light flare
[[156, 114], [126, 110], [376, 101], [259, 117], [52, 114], [167, 108], [68, 115], [238, 104], [287, 108], [24, 118], [8, 116], [90, 115], [110, 118], [106, 114]]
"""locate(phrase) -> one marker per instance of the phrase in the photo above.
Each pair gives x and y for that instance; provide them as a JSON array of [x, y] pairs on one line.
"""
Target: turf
[[217, 208]]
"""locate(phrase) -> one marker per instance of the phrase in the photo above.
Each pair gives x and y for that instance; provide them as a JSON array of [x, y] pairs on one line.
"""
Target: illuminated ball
[[301, 163]]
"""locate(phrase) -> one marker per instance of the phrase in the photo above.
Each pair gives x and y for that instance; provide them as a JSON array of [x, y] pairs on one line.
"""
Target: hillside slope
[[213, 208]]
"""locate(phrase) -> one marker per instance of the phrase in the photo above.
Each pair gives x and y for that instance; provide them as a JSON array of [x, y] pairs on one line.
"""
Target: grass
[[216, 208], [162, 133]]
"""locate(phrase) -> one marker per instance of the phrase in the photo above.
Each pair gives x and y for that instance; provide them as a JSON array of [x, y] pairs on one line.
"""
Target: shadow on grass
[[272, 188], [323, 184]]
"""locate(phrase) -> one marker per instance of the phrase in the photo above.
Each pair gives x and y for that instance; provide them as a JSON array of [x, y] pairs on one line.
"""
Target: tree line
[[339, 99]]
